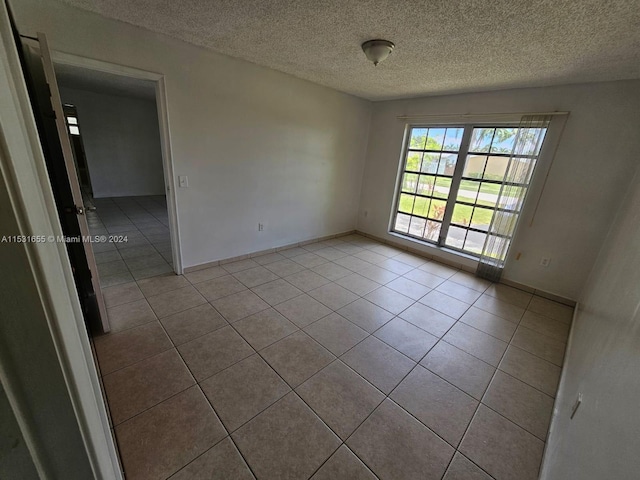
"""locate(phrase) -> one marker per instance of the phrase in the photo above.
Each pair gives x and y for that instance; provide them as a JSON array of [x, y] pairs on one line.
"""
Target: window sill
[[439, 252]]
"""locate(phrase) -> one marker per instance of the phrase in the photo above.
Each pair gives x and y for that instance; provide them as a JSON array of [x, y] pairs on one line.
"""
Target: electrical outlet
[[260, 227], [545, 261]]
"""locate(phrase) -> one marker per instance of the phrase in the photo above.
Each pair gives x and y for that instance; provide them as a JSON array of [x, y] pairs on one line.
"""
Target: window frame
[[457, 178]]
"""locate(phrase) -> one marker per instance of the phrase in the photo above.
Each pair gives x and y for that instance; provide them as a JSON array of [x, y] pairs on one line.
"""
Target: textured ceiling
[[442, 46], [102, 82]]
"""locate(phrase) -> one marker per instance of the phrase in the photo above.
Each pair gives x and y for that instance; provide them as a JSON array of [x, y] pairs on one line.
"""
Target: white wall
[[603, 361], [591, 171], [121, 139], [257, 145]]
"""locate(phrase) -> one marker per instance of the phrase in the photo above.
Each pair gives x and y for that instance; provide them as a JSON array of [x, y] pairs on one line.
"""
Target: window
[[72, 119], [450, 182]]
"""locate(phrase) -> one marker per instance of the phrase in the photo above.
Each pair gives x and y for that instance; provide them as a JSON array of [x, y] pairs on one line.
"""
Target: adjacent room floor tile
[[436, 403], [185, 326], [211, 353], [243, 390], [344, 465], [395, 445], [163, 439], [303, 310], [336, 333], [142, 385], [286, 441], [407, 338], [341, 397], [121, 349], [501, 448], [221, 462], [380, 364], [297, 357], [465, 371], [264, 328], [239, 305]]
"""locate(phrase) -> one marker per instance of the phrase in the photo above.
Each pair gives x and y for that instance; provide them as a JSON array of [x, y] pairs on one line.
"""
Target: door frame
[[165, 136]]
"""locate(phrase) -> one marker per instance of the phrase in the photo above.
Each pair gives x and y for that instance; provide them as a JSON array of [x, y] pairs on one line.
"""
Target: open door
[[49, 114]]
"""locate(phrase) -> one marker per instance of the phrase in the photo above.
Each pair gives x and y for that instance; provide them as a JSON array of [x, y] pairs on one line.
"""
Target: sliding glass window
[[451, 181]]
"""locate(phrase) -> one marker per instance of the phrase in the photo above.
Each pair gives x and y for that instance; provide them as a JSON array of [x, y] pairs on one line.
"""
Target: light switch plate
[[183, 181]]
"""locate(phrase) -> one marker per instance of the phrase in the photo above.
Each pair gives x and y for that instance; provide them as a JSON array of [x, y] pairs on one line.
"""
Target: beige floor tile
[[297, 357], [508, 294], [252, 277], [460, 292], [243, 390], [331, 271], [439, 269], [551, 309], [120, 294], [445, 304], [344, 464], [142, 385], [371, 257], [239, 305], [395, 445], [138, 263], [207, 355], [234, 267], [409, 288], [121, 349], [219, 287], [427, 279], [162, 284], [206, 274], [222, 462], [112, 268], [307, 280], [477, 343], [163, 439], [461, 468], [336, 333], [465, 371], [469, 280], [390, 300], [502, 309], [407, 338], [501, 448], [286, 441], [276, 292], [380, 364], [378, 274], [130, 315], [540, 345], [439, 405], [286, 267], [152, 271], [175, 301], [330, 253], [520, 403], [428, 319], [546, 326], [292, 252], [341, 397], [113, 280], [411, 259], [185, 326], [354, 264], [395, 266], [532, 370], [333, 296], [264, 328], [489, 323], [357, 284], [366, 315], [303, 310], [309, 260], [268, 258]]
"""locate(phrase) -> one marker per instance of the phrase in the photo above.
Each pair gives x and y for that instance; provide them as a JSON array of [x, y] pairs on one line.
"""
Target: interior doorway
[[114, 124]]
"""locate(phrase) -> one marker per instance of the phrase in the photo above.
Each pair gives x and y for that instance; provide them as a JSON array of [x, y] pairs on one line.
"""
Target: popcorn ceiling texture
[[444, 46]]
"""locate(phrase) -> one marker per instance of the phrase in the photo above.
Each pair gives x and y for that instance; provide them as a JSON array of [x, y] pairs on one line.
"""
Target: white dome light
[[377, 50]]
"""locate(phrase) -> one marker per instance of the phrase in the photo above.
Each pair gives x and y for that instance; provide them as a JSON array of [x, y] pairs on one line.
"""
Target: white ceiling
[[102, 82], [442, 46]]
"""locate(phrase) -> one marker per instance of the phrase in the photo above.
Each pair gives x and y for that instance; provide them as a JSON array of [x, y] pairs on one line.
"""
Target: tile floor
[[343, 359], [147, 249]]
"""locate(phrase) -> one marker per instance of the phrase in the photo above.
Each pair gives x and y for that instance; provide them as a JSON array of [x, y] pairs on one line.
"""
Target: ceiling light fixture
[[377, 50]]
